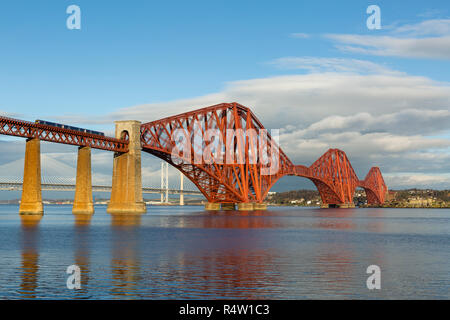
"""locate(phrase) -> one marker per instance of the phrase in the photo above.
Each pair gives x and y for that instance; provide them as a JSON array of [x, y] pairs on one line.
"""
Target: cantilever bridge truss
[[229, 167], [225, 151]]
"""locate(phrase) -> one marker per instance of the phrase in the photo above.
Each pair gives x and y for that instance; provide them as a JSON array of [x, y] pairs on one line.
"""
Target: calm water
[[184, 252]]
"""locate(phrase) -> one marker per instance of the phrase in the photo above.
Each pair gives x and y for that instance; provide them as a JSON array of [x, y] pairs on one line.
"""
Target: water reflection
[[338, 260], [187, 253], [244, 274], [118, 221], [82, 220], [30, 255], [335, 267], [376, 223], [82, 239], [238, 220], [337, 219], [182, 266], [30, 221], [219, 274], [125, 264]]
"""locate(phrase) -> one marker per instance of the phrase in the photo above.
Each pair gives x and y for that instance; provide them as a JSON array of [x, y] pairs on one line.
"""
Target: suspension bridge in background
[[167, 187], [244, 179]]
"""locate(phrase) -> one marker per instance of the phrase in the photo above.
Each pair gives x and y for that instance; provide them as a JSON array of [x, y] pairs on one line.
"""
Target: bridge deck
[[26, 129]]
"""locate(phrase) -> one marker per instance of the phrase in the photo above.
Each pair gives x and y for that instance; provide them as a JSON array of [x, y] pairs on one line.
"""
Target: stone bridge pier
[[126, 192], [83, 202], [31, 202]]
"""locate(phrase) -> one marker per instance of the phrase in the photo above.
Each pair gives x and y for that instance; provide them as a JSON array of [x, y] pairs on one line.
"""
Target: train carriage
[[63, 126]]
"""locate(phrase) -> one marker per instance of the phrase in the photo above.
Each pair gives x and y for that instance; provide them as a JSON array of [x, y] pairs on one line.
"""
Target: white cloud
[[392, 153], [427, 27], [10, 115], [435, 48], [371, 142], [316, 64], [301, 100], [377, 119], [403, 41], [409, 179], [404, 122]]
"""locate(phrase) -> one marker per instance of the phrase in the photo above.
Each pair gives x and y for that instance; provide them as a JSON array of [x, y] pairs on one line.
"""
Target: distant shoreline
[[269, 205]]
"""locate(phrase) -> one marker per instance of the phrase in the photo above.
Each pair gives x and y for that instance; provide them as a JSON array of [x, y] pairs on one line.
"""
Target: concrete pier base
[[347, 205], [245, 206], [260, 206], [126, 192], [228, 206], [324, 205], [212, 206], [31, 202], [340, 205], [83, 203]]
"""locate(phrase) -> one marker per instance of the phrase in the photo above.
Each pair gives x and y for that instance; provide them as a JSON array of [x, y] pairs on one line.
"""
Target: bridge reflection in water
[[240, 266], [29, 237], [82, 252], [184, 273], [125, 253], [233, 254]]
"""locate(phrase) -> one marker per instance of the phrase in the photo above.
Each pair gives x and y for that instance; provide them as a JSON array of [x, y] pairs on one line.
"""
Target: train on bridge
[[64, 126]]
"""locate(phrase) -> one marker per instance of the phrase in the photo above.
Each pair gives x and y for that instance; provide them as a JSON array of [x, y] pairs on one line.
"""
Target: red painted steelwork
[[26, 129], [244, 181], [374, 186]]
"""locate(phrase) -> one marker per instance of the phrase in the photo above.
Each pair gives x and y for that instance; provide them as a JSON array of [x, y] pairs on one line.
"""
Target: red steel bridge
[[246, 175], [245, 181]]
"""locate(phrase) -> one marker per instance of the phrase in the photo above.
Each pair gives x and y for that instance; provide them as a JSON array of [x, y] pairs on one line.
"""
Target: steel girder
[[239, 177], [374, 186], [26, 129], [213, 134]]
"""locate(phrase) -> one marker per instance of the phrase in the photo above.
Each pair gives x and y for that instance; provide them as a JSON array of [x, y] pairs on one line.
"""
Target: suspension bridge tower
[[164, 182]]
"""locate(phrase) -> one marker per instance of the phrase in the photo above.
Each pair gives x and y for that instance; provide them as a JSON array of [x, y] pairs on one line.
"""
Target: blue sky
[[144, 58], [130, 53]]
